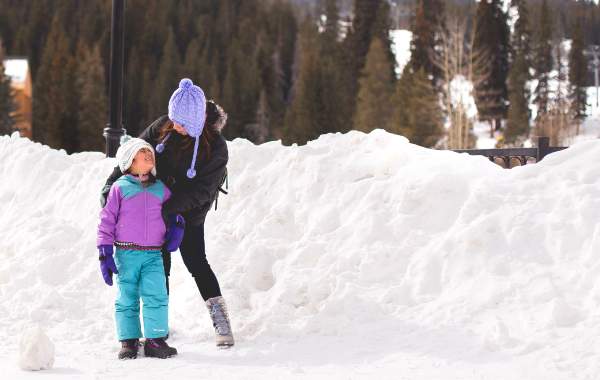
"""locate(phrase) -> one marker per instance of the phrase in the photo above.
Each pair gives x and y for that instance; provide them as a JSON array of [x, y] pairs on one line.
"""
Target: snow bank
[[355, 250], [36, 351]]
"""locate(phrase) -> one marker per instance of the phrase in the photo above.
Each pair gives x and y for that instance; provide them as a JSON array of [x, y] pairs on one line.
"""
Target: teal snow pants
[[141, 275]]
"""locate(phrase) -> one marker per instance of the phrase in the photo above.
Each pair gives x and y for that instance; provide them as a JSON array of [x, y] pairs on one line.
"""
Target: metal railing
[[523, 155]]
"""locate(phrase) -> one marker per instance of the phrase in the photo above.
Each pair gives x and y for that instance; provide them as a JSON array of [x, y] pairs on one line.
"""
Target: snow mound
[[365, 245], [36, 351]]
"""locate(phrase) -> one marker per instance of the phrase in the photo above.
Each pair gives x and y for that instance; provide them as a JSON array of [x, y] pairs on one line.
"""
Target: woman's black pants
[[193, 253]]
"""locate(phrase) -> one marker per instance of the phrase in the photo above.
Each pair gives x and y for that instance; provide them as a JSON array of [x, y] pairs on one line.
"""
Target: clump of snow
[[481, 129], [36, 351], [401, 39], [461, 94], [357, 255]]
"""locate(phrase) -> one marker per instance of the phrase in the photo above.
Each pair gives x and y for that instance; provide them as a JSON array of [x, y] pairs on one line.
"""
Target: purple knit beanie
[[187, 107]]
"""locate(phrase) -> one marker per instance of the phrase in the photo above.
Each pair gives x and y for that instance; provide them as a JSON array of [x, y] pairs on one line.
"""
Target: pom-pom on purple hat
[[187, 107]]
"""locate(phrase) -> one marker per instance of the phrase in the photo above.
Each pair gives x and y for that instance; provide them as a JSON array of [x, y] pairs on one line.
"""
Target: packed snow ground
[[354, 257]]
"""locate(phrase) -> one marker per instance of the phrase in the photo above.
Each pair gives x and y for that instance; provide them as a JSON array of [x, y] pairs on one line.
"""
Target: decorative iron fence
[[523, 155]]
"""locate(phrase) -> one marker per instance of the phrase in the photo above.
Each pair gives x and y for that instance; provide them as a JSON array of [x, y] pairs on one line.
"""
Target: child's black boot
[[129, 349], [158, 348]]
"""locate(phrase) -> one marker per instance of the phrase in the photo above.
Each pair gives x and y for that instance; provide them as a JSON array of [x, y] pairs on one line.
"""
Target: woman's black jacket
[[191, 197]]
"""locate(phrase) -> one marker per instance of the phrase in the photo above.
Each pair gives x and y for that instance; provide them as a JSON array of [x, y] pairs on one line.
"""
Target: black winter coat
[[191, 197]]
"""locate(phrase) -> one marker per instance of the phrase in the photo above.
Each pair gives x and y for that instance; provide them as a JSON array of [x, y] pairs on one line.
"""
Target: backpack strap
[[224, 180]]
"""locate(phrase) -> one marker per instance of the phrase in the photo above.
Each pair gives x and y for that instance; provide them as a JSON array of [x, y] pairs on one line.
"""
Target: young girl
[[132, 221]]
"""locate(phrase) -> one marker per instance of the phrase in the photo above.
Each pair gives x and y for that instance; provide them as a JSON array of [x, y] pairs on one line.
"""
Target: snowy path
[[314, 358]]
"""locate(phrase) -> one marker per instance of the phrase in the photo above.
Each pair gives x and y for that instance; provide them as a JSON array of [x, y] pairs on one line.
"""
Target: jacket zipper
[[146, 216]]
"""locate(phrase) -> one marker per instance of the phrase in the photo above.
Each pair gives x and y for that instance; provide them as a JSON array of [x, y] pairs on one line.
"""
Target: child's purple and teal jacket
[[132, 213]]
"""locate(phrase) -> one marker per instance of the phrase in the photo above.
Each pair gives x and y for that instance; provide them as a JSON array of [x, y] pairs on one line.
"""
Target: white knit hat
[[128, 149]]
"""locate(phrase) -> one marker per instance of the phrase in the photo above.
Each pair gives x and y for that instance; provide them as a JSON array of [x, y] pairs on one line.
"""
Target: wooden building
[[17, 69]]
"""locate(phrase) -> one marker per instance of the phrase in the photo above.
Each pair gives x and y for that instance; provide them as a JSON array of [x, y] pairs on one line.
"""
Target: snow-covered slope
[[356, 256]]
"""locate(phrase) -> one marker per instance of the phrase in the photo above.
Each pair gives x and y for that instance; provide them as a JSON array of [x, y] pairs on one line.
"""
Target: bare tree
[[557, 123], [459, 63]]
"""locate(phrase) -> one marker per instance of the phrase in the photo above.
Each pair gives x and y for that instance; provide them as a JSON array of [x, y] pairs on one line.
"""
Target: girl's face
[[143, 162], [179, 129]]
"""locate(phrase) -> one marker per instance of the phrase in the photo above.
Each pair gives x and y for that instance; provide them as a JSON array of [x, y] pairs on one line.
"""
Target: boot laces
[[130, 343], [219, 317], [158, 342]]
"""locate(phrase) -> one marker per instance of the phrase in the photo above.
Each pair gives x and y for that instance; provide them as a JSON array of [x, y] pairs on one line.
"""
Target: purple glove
[[174, 234], [107, 264]]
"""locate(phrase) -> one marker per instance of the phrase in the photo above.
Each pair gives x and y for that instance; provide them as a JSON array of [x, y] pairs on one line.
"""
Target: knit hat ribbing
[[187, 107], [127, 151]]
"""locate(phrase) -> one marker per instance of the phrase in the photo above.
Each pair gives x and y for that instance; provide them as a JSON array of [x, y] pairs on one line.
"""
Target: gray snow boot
[[218, 313], [129, 349]]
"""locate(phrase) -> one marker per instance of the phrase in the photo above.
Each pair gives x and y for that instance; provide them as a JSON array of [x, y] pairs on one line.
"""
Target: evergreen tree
[[270, 99], [134, 96], [302, 120], [517, 125], [492, 36], [381, 30], [261, 130], [275, 53], [93, 102], [543, 60], [578, 76], [70, 112], [332, 17], [204, 48], [521, 39], [94, 18], [285, 36], [359, 38], [401, 121], [417, 113], [370, 18], [197, 66], [52, 107], [332, 79], [241, 89], [32, 33], [426, 27], [168, 75], [7, 104], [156, 32], [376, 85], [232, 92]]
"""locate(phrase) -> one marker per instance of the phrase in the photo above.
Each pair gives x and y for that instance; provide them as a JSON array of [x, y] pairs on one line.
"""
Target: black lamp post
[[114, 129]]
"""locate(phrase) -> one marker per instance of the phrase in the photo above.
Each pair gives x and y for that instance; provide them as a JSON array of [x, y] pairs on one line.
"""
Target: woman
[[191, 132]]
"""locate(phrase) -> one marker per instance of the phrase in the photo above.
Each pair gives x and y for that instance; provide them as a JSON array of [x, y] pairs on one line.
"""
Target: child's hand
[[175, 230], [107, 263]]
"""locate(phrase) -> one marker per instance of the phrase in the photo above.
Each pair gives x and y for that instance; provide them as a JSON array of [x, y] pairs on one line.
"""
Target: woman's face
[[179, 129], [143, 162]]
